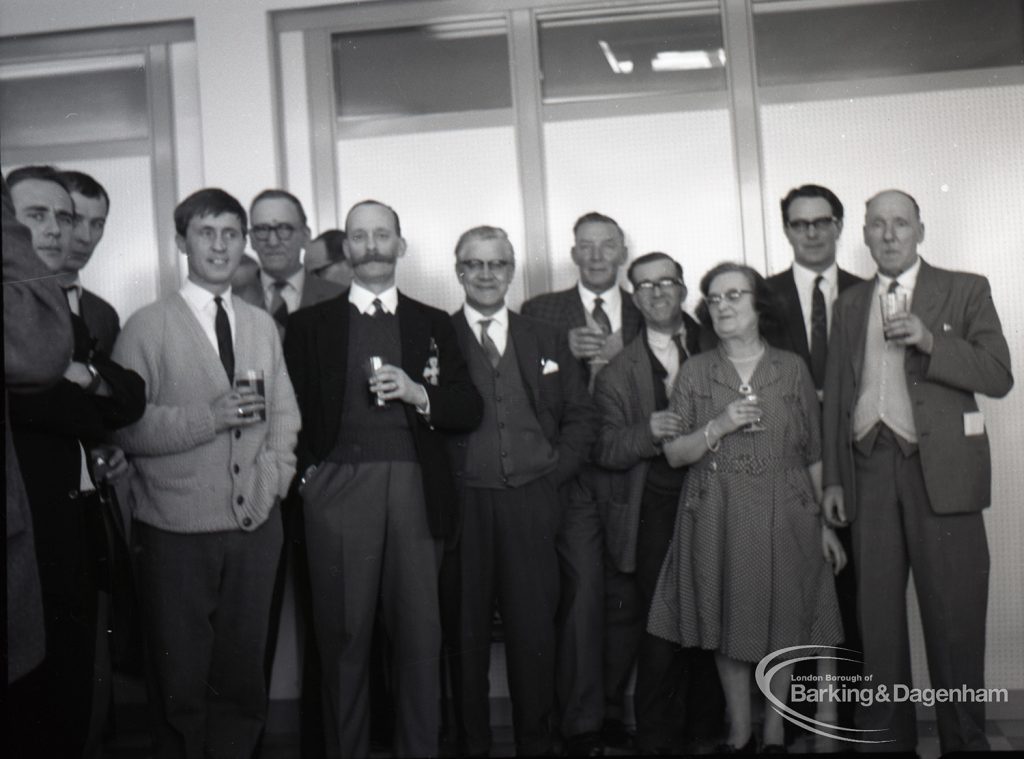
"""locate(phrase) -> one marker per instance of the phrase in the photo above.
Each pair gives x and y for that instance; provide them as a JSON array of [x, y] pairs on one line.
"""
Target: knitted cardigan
[[185, 477]]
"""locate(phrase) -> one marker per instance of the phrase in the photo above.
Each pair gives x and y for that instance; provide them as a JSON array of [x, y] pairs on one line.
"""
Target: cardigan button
[[238, 434], [236, 468], [247, 522], [240, 500]]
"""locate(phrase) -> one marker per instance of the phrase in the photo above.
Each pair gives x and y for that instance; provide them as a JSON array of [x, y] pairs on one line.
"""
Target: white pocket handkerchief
[[974, 423], [548, 366], [947, 327]]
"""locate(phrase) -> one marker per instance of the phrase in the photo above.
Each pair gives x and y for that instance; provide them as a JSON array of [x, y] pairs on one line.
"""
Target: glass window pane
[[861, 41], [632, 52], [64, 102], [437, 68]]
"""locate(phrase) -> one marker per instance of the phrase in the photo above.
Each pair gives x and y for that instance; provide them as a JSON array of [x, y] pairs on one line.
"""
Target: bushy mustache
[[375, 256]]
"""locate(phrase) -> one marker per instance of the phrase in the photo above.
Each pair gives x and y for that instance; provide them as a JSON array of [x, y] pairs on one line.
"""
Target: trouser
[[507, 550], [368, 540], [205, 603], [896, 531], [579, 679]]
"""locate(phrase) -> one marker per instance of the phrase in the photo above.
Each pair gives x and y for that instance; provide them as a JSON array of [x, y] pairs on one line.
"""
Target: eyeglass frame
[[664, 283], [476, 266], [732, 295], [262, 232], [802, 226]]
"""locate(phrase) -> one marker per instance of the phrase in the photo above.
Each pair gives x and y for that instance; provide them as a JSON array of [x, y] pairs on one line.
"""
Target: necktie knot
[[894, 286], [601, 316], [378, 307], [278, 306]]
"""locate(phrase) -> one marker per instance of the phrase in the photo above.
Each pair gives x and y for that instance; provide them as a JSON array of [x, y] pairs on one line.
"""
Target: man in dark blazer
[[60, 438], [599, 318], [906, 462], [92, 205], [812, 217], [677, 697], [379, 378], [538, 424]]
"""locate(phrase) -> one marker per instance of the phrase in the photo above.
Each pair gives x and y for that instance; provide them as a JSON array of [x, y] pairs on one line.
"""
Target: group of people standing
[[628, 486]]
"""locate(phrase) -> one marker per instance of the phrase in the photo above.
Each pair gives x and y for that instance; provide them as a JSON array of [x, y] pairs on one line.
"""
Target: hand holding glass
[[894, 305], [251, 386], [371, 366]]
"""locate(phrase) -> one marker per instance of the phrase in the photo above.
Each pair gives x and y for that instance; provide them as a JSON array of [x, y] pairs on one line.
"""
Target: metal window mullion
[[162, 164], [738, 33], [322, 120], [524, 68]]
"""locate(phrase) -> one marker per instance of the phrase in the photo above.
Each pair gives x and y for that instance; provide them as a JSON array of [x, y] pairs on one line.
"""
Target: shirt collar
[[805, 277], [660, 341], [474, 317], [363, 299], [907, 280], [296, 280], [611, 299], [200, 298]]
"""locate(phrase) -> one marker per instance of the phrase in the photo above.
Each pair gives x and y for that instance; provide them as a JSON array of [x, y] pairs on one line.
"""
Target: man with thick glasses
[[812, 218], [279, 234], [593, 664], [906, 463], [537, 428], [678, 698]]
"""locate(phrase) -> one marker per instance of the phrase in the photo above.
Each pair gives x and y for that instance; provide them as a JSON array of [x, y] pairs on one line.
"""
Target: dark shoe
[[750, 747], [584, 744], [774, 748], [615, 734]]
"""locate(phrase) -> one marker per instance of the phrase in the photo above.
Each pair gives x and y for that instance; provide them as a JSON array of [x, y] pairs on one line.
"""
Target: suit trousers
[[678, 695], [507, 550], [368, 543], [205, 602], [579, 679], [896, 531]]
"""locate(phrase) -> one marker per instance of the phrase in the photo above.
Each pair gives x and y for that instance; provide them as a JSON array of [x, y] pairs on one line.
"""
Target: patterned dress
[[745, 575]]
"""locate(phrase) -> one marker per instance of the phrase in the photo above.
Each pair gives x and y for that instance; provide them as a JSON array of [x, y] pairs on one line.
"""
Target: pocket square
[[947, 327], [548, 366]]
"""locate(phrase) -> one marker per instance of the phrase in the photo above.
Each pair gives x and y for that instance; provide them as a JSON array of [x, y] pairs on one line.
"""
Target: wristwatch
[[96, 379]]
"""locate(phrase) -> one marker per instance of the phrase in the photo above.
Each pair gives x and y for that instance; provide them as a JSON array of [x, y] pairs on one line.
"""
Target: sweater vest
[[369, 432], [508, 449]]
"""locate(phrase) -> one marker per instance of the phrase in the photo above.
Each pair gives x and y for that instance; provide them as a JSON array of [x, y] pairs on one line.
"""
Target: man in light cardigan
[[209, 466]]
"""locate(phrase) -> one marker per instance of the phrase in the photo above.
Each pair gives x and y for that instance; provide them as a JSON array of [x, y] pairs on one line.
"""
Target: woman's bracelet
[[707, 438]]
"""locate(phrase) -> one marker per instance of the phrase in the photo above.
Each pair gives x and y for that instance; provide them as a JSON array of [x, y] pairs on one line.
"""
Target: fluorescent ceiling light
[[624, 66], [33, 69], [688, 60], [469, 29]]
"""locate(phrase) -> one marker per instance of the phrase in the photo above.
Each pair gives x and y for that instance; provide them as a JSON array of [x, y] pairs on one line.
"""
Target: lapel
[[929, 294], [210, 357], [859, 311], [528, 356], [463, 332], [642, 376], [572, 309], [632, 321], [795, 316], [414, 327]]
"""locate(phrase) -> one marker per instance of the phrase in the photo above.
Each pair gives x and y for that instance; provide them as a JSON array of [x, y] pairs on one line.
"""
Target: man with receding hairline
[[906, 463]]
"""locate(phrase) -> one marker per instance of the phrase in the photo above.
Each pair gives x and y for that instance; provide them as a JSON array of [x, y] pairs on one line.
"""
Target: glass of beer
[[250, 382]]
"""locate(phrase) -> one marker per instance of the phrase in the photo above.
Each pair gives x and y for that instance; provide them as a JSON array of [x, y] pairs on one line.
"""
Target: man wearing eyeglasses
[[906, 463], [812, 218], [325, 258], [537, 428], [677, 697], [599, 318], [279, 234]]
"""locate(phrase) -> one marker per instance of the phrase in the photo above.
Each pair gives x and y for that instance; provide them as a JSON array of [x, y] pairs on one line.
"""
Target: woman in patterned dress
[[749, 569]]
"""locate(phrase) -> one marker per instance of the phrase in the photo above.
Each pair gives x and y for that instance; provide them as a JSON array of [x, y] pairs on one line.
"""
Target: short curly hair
[[765, 301]]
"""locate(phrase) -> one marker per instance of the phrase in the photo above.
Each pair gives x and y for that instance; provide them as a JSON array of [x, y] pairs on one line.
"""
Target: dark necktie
[[224, 346], [819, 334], [493, 355], [894, 286], [378, 308], [278, 308], [601, 317], [677, 338]]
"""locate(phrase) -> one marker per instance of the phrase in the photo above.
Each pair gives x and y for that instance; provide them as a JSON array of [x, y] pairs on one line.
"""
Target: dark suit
[[507, 542], [314, 290], [792, 336], [101, 319], [316, 350], [918, 506], [581, 688], [47, 428]]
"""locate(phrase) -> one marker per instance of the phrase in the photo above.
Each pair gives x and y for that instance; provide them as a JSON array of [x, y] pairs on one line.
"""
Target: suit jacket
[[316, 352], [559, 399], [37, 348], [624, 393], [564, 309], [314, 290], [793, 334], [101, 319], [969, 356]]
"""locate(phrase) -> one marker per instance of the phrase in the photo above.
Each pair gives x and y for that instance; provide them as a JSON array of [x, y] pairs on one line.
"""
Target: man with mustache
[[377, 486]]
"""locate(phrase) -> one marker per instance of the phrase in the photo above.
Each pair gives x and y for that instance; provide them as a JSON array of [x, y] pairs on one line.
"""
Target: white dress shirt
[[804, 280], [611, 302], [497, 330], [363, 299], [664, 349], [201, 302], [291, 293]]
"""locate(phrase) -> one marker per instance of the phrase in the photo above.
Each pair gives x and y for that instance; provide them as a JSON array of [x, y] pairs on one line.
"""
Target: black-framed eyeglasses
[[476, 266], [648, 285], [732, 296], [262, 232], [821, 224]]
